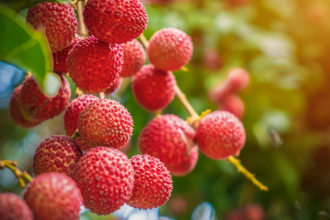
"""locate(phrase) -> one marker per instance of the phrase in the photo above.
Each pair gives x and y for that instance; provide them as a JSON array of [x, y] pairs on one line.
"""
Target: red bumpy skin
[[107, 123], [233, 104], [58, 20], [170, 49], [114, 86], [187, 165], [220, 135], [13, 207], [93, 65], [105, 178], [153, 89], [170, 139], [237, 80], [134, 58], [73, 111], [36, 106], [15, 111], [53, 196], [152, 183], [60, 57], [57, 153], [125, 20]]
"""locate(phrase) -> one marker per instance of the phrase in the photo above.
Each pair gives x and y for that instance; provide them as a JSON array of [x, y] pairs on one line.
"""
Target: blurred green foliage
[[284, 45]]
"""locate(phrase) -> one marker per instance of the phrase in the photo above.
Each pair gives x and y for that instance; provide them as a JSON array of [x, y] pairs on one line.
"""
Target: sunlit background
[[285, 46]]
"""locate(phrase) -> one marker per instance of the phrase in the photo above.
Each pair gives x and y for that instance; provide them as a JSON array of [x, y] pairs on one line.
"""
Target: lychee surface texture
[[57, 153], [15, 111], [53, 196], [125, 20], [233, 104], [58, 20], [73, 111], [152, 88], [168, 138], [94, 65], [36, 106], [185, 166], [134, 58], [13, 207], [152, 183], [60, 57], [107, 123], [105, 178], [170, 49], [114, 86], [220, 135], [82, 144]]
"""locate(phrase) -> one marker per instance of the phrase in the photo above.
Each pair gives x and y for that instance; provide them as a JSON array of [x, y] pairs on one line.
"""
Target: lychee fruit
[[73, 111], [53, 196], [94, 65], [170, 49], [57, 153], [233, 104], [125, 20], [213, 60], [153, 89], [236, 80], [14, 208], [105, 178], [107, 123], [36, 106], [82, 144], [15, 111], [170, 139], [60, 57], [248, 212], [114, 86], [57, 20], [134, 58], [220, 135], [185, 166], [152, 183]]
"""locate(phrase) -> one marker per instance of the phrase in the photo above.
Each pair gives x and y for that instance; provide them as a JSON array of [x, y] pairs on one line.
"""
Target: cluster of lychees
[[225, 93], [103, 178]]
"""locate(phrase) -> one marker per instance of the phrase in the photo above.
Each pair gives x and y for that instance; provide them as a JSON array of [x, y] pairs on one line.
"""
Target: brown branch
[[21, 176]]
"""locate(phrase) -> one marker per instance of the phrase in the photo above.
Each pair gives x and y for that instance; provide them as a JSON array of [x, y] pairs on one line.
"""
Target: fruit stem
[[246, 173], [144, 41], [21, 176], [82, 28], [182, 97], [101, 95]]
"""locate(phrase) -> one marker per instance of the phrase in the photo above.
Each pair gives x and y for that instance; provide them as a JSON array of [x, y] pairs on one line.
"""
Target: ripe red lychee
[[15, 111], [220, 135], [134, 58], [153, 89], [93, 65], [60, 57], [114, 86], [237, 80], [14, 208], [233, 104], [57, 153], [53, 196], [73, 111], [168, 138], [57, 20], [36, 106], [125, 20], [170, 49], [152, 183], [185, 166], [107, 123], [105, 178]]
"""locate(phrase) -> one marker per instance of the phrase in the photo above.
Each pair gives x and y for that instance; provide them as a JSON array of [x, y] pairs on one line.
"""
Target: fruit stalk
[[82, 28], [21, 176]]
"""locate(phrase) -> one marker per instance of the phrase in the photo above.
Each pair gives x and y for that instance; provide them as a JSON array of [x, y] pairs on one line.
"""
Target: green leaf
[[21, 4], [27, 49]]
